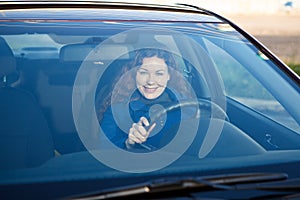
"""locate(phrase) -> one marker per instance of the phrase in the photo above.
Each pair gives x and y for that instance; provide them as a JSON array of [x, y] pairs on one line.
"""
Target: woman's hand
[[138, 132]]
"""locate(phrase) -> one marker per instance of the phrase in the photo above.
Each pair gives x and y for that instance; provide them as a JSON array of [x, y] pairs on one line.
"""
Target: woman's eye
[[143, 73], [160, 73]]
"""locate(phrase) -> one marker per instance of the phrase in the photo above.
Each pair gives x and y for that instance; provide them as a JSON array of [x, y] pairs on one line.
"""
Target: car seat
[[25, 139]]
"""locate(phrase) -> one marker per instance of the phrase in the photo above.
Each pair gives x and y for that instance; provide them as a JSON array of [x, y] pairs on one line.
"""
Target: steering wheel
[[204, 108]]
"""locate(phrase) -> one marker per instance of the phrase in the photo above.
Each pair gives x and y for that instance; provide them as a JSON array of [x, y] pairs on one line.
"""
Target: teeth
[[150, 90]]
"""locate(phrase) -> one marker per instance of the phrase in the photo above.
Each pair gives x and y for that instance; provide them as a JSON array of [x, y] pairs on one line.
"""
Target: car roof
[[111, 10]]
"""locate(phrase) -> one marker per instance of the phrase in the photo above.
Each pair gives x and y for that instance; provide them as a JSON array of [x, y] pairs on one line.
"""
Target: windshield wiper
[[207, 183]]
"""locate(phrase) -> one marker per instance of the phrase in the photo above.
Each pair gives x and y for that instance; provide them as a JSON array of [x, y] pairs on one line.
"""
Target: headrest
[[7, 59], [79, 52]]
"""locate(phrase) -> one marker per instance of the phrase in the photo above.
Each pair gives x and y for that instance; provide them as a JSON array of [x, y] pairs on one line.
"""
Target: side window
[[242, 86]]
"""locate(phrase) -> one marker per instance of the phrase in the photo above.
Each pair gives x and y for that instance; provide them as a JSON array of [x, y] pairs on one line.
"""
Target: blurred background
[[276, 23]]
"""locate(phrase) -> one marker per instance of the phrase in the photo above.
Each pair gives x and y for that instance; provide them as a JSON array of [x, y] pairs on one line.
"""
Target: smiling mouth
[[149, 90]]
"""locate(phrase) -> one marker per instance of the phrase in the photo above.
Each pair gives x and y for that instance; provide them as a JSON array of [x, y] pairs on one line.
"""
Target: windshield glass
[[100, 99]]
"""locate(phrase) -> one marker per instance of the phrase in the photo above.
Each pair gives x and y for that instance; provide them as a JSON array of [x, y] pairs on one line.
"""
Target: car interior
[[36, 99], [24, 128]]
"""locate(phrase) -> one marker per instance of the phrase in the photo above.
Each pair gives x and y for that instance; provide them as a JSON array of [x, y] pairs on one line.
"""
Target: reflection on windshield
[[134, 98]]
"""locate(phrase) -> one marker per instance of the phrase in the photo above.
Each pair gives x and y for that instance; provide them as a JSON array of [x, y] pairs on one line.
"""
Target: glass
[[214, 63]]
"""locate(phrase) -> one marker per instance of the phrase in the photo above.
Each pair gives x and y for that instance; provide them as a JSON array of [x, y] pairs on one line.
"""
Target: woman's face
[[152, 77]]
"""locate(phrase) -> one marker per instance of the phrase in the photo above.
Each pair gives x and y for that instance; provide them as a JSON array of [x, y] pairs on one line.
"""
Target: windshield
[[101, 99]]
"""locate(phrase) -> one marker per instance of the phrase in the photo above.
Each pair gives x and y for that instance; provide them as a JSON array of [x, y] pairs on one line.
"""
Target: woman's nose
[[151, 79]]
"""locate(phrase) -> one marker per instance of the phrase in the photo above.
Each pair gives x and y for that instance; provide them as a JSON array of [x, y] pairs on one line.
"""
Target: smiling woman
[[150, 76]]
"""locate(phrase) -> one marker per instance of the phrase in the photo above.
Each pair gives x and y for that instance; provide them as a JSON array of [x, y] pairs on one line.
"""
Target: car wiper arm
[[207, 183]]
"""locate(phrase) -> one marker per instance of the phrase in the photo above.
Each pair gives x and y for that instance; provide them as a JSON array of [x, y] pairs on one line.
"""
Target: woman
[[153, 70]]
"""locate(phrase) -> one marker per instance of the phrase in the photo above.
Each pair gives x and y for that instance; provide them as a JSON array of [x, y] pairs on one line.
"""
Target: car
[[107, 100]]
